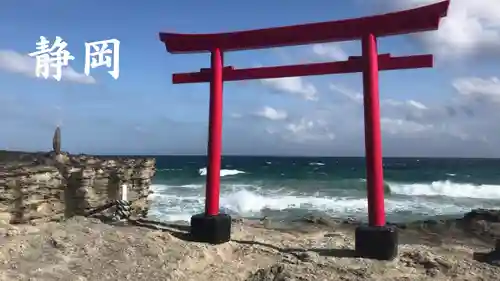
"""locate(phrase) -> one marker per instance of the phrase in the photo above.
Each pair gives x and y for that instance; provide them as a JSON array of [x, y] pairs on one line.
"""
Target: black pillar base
[[376, 242], [211, 229]]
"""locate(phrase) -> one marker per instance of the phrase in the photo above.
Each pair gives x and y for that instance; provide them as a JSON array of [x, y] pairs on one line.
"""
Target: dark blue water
[[287, 187]]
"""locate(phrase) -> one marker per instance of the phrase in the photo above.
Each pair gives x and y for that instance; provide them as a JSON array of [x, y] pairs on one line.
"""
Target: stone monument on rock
[[56, 141], [59, 156]]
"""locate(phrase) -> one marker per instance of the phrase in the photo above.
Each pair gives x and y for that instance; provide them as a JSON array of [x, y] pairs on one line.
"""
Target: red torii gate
[[377, 240]]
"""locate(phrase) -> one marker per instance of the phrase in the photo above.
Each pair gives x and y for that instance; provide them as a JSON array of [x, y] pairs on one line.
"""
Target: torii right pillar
[[375, 240]]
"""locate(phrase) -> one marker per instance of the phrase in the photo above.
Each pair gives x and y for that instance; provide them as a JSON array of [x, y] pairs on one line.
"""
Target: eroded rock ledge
[[37, 186]]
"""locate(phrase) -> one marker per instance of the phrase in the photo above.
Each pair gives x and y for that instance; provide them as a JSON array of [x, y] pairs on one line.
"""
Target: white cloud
[[459, 126], [357, 98], [479, 88], [330, 51], [305, 129], [15, 62], [416, 104], [411, 119], [350, 94], [402, 126], [409, 109], [271, 113], [294, 86], [408, 103], [471, 28]]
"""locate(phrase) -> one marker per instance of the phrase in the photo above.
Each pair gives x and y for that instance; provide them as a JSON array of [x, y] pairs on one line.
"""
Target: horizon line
[[248, 155]]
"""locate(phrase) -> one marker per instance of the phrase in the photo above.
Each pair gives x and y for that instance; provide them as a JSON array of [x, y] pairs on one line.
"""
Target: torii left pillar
[[212, 226], [375, 240]]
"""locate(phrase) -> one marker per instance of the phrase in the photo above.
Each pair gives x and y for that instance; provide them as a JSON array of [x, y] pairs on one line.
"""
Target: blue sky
[[449, 110]]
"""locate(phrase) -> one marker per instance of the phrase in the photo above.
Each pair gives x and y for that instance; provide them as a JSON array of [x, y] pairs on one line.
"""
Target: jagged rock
[[433, 264], [319, 220], [308, 256], [483, 222], [276, 272], [488, 215], [41, 185], [139, 208]]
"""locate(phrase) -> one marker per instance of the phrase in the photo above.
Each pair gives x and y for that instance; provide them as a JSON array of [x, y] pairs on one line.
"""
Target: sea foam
[[250, 201]]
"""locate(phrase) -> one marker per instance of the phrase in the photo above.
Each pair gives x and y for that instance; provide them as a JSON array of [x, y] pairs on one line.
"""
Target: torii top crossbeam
[[415, 20]]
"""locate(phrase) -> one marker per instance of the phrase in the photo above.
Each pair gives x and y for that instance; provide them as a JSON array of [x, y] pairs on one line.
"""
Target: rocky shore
[[49, 185], [45, 186], [47, 233], [83, 248]]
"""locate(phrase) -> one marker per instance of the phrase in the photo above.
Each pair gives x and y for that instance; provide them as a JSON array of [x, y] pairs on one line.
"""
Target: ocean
[[286, 188]]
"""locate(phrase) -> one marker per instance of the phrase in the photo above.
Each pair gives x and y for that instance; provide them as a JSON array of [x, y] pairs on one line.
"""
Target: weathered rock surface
[[481, 223], [43, 185], [85, 249]]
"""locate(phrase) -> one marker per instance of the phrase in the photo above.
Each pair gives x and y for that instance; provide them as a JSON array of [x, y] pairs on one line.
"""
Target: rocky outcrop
[[70, 185], [483, 223], [44, 185]]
